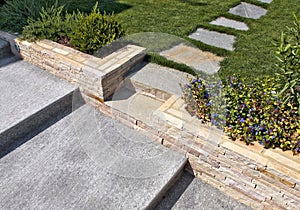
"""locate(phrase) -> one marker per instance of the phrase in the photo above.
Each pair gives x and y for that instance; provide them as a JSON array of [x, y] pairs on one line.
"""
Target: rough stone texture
[[248, 11], [87, 161], [213, 38], [96, 77], [158, 77], [192, 193], [239, 171], [29, 98], [222, 21], [193, 57]]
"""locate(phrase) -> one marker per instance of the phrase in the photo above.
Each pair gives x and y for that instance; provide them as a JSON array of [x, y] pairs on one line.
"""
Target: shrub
[[251, 113], [288, 74], [52, 24], [94, 31], [14, 13]]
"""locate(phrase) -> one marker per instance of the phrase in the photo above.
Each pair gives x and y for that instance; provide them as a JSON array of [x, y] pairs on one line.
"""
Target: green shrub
[[52, 24], [251, 113], [14, 13], [94, 31], [288, 74]]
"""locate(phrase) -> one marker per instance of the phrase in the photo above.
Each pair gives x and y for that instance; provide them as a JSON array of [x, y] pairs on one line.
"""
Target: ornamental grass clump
[[288, 71]]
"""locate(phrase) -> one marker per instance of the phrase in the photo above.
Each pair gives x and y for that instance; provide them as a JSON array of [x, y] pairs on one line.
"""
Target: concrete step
[[193, 194], [4, 49], [31, 99], [88, 161], [164, 80]]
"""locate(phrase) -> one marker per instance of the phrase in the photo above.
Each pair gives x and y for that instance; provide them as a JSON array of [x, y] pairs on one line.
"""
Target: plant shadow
[[194, 2], [109, 6]]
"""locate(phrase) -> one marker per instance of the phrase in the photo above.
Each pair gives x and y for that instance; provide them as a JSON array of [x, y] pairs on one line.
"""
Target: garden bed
[[256, 176]]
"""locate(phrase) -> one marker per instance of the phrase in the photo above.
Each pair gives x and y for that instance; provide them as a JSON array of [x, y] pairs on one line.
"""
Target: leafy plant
[[14, 13], [52, 23], [95, 30], [246, 112], [288, 54]]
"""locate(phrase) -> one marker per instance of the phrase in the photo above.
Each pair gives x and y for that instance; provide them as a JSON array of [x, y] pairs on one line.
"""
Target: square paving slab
[[213, 38], [248, 10], [222, 21], [194, 57]]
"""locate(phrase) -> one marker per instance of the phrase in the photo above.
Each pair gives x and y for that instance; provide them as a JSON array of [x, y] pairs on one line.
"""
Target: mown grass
[[253, 56]]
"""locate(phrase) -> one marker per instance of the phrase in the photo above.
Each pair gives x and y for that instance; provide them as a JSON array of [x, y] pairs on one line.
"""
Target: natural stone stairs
[[57, 153]]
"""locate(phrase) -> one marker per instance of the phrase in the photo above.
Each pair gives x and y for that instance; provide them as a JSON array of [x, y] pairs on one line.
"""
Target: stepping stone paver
[[266, 1], [248, 10], [213, 38], [194, 57], [222, 21]]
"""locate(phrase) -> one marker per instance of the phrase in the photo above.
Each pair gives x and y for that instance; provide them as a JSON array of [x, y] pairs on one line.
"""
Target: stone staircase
[[59, 153], [56, 152]]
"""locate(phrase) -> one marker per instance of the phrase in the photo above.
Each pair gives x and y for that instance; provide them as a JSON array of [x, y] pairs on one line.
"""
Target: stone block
[[248, 11]]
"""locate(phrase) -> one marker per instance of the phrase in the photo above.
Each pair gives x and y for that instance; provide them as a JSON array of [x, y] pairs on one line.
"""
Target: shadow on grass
[[110, 6], [194, 3]]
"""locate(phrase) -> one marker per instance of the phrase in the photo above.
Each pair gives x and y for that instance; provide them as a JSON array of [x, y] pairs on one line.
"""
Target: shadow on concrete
[[74, 101], [172, 196]]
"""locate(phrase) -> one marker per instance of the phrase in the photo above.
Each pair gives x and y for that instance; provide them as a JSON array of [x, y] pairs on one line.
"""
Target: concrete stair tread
[[27, 91], [87, 161]]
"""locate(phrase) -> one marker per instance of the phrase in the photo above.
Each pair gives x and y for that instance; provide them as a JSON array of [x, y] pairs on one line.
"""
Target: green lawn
[[253, 56]]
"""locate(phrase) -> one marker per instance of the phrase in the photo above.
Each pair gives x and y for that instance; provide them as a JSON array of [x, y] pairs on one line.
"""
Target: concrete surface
[[213, 38], [194, 57], [4, 48], [30, 97], [222, 21], [193, 194], [248, 10], [159, 77], [87, 161], [135, 104]]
